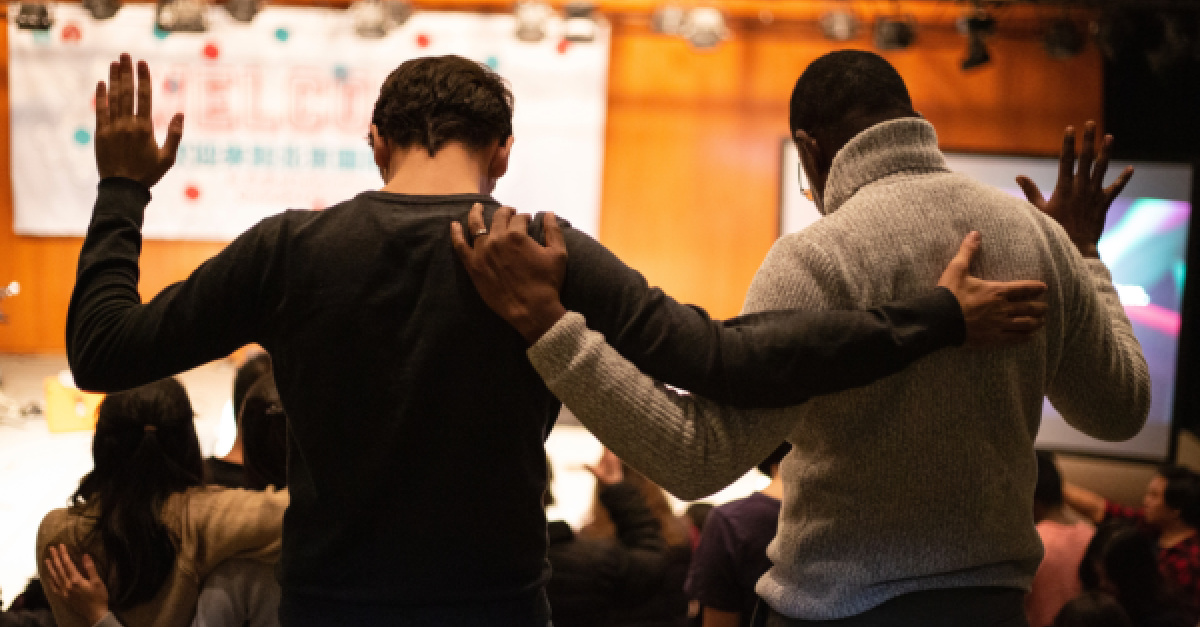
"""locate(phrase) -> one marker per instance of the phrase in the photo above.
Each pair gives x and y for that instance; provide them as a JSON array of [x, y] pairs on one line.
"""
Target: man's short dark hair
[[842, 87], [774, 459], [247, 375], [1182, 493], [431, 101], [1048, 490]]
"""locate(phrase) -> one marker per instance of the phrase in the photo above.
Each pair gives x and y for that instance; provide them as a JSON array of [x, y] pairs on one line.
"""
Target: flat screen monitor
[[1145, 246]]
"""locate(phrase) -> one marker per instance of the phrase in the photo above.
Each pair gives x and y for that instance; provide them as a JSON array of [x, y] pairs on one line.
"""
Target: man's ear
[[381, 149], [810, 151], [499, 163]]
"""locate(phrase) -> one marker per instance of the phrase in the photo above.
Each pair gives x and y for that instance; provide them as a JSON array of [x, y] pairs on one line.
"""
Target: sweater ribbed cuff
[[949, 327], [553, 352], [122, 196]]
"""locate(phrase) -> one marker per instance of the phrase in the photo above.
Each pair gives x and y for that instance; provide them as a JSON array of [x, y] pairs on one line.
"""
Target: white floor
[[39, 470]]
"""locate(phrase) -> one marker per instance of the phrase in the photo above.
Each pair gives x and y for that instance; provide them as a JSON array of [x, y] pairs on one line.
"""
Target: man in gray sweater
[[906, 501]]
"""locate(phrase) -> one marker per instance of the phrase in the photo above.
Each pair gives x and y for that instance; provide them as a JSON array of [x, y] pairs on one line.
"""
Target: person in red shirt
[[1065, 540], [1170, 511]]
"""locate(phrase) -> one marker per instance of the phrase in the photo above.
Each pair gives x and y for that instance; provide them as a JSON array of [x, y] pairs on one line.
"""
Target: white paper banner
[[277, 113]]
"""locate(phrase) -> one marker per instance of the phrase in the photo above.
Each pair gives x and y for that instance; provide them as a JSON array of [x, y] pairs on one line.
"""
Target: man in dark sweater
[[387, 359]]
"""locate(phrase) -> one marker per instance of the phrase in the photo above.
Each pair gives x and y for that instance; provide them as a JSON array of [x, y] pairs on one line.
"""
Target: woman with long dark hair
[[1122, 561], [143, 513]]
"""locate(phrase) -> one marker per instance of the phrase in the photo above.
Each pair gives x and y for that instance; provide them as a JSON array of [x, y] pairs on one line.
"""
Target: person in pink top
[[1065, 540]]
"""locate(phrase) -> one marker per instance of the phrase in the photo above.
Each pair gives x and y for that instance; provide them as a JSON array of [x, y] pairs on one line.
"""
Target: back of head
[[1092, 609], [264, 436], [674, 530], [247, 375], [1130, 563], [144, 450], [844, 92], [770, 465], [431, 101], [1048, 491], [1182, 493]]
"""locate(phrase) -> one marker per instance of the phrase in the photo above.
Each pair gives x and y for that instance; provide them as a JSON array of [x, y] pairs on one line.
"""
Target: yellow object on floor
[[68, 408]]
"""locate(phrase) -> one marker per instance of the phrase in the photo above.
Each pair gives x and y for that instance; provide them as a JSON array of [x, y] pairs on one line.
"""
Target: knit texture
[[922, 480]]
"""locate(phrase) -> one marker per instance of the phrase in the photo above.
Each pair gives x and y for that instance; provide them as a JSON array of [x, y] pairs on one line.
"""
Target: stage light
[[978, 26], [896, 32], [531, 20], [580, 23], [839, 25], [1063, 39], [102, 9], [34, 16], [181, 16], [704, 27], [243, 10], [668, 19]]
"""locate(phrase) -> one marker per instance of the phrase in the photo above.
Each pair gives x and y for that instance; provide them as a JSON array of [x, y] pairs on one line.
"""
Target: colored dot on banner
[[318, 204], [563, 46], [423, 40], [160, 33], [41, 36], [170, 85], [191, 192], [71, 33], [493, 62], [282, 34], [82, 136], [341, 72], [211, 51]]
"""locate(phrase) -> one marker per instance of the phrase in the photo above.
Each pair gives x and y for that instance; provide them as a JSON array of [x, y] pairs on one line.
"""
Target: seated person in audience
[[388, 360], [31, 608], [1170, 511], [1092, 609], [265, 430], [732, 555], [1120, 561], [227, 471], [665, 604], [953, 433], [1065, 540], [592, 577], [143, 513]]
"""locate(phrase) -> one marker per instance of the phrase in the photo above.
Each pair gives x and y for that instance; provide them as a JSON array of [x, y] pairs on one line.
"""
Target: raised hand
[[86, 595], [997, 313], [125, 144], [517, 277], [608, 470], [1080, 201]]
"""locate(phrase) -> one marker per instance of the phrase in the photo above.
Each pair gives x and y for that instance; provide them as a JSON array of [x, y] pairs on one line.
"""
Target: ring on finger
[[481, 232]]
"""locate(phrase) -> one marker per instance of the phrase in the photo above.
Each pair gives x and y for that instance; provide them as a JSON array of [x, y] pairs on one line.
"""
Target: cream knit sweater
[[922, 480]]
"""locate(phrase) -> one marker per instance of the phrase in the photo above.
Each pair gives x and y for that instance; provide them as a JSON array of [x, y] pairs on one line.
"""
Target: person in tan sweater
[[152, 527]]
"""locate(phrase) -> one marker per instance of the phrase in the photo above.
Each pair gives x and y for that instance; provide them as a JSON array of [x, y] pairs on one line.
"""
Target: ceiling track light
[[102, 9], [668, 19], [704, 27], [243, 10], [1063, 39], [580, 24], [532, 17], [895, 32], [34, 16], [181, 16], [839, 24], [373, 19], [978, 26]]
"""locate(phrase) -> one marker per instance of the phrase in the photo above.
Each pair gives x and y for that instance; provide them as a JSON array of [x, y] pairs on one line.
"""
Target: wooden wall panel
[[691, 178]]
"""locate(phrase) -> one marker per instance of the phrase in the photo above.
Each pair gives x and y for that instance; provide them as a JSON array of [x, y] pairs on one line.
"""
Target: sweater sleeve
[[767, 359], [225, 523], [116, 342], [1102, 384], [690, 446]]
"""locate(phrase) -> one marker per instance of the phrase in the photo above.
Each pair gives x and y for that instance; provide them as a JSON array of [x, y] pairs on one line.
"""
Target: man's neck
[[453, 170], [1171, 535], [775, 488]]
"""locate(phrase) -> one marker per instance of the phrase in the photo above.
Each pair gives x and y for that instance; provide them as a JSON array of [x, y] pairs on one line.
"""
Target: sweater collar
[[901, 145]]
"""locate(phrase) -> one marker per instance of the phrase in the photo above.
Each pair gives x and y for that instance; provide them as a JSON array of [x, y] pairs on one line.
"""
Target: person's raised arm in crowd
[[1089, 504]]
